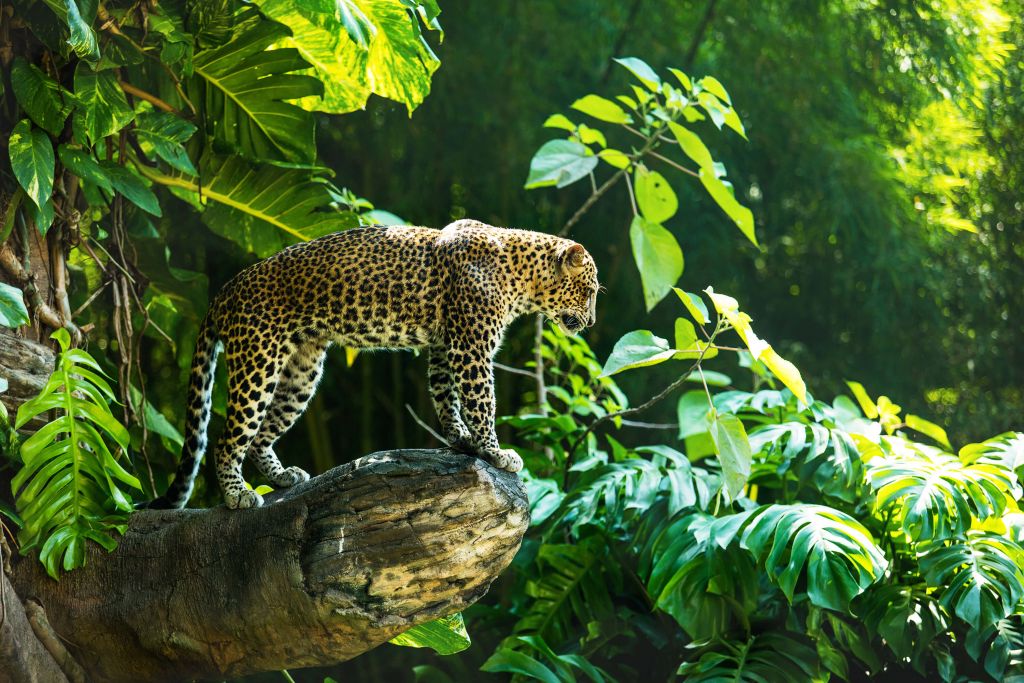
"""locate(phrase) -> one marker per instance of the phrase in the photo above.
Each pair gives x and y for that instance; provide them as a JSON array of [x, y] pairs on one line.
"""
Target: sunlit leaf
[[740, 214], [642, 71], [733, 450], [602, 109], [654, 196], [658, 258], [560, 163], [695, 305], [31, 155], [12, 307], [637, 349], [445, 636], [102, 109]]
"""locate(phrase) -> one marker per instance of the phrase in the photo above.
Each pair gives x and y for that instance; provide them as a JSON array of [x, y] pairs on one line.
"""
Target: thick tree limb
[[323, 572], [23, 657], [25, 365]]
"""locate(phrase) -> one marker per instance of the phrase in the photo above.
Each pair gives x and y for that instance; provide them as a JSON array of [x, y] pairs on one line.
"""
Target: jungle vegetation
[[834, 496]]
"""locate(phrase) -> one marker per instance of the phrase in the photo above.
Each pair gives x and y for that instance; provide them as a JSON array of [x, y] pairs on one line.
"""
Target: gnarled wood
[[321, 573]]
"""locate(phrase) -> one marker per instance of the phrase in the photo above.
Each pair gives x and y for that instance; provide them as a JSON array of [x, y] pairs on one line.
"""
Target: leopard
[[451, 293]]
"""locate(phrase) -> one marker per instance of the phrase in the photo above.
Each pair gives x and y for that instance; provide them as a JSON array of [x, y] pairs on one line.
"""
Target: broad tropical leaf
[[832, 550], [980, 579], [358, 48], [445, 636], [571, 590], [935, 495], [12, 306], [101, 108], [46, 103], [262, 208], [658, 257], [31, 154], [771, 656], [245, 87], [69, 488]]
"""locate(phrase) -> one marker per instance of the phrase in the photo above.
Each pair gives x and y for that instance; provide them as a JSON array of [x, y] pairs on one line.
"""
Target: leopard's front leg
[[444, 393], [471, 368]]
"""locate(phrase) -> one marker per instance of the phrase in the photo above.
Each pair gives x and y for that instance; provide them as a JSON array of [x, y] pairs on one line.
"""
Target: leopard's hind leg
[[296, 386], [253, 364]]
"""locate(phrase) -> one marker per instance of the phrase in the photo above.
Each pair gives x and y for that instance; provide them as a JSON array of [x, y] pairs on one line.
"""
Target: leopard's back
[[367, 287]]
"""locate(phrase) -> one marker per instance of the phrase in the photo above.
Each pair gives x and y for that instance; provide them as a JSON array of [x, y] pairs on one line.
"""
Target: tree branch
[[323, 572]]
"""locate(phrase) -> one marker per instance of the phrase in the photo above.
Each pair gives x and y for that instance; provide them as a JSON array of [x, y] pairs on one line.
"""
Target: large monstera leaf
[[980, 578], [834, 551], [69, 490], [936, 495], [244, 89], [360, 47], [770, 656], [262, 208]]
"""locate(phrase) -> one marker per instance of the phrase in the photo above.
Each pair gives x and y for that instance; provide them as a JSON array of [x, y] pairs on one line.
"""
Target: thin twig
[[591, 200], [514, 371], [425, 426], [674, 164], [143, 95], [632, 199], [649, 425], [661, 395]]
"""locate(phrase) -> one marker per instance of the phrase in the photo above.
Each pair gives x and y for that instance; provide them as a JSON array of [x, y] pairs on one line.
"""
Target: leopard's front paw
[[242, 498], [505, 459], [460, 441], [290, 477]]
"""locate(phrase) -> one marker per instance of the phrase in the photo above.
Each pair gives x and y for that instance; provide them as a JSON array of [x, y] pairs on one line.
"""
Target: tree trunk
[[321, 573]]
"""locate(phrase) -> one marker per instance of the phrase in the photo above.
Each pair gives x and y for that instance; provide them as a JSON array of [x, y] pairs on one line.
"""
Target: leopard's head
[[571, 298]]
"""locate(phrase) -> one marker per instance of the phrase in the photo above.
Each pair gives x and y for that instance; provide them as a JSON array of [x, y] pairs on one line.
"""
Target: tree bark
[[321, 573], [25, 365]]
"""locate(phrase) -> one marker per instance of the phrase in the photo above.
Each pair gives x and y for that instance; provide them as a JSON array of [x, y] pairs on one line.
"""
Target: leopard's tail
[[200, 397]]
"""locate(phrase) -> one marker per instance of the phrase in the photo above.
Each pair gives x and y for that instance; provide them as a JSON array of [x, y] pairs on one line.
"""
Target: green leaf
[[589, 136], [559, 121], [81, 163], [695, 305], [733, 450], [935, 495], [692, 413], [82, 39], [560, 163], [658, 258], [692, 145], [686, 333], [126, 182], [67, 491], [683, 79], [787, 373], [831, 550], [642, 71], [571, 588], [919, 424], [12, 307], [245, 88], [445, 636], [740, 214], [602, 109], [164, 133], [866, 404], [102, 109], [637, 349], [395, 62], [713, 86], [654, 196], [769, 656], [614, 158], [261, 208], [357, 25], [505, 660], [31, 154], [46, 103], [979, 579]]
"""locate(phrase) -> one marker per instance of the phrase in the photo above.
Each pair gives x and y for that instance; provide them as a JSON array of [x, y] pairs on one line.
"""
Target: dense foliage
[[728, 525]]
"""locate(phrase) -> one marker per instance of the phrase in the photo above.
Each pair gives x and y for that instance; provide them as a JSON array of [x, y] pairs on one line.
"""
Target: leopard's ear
[[571, 257]]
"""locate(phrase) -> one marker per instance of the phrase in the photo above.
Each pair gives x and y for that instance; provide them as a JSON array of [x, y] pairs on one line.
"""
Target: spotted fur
[[451, 292]]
